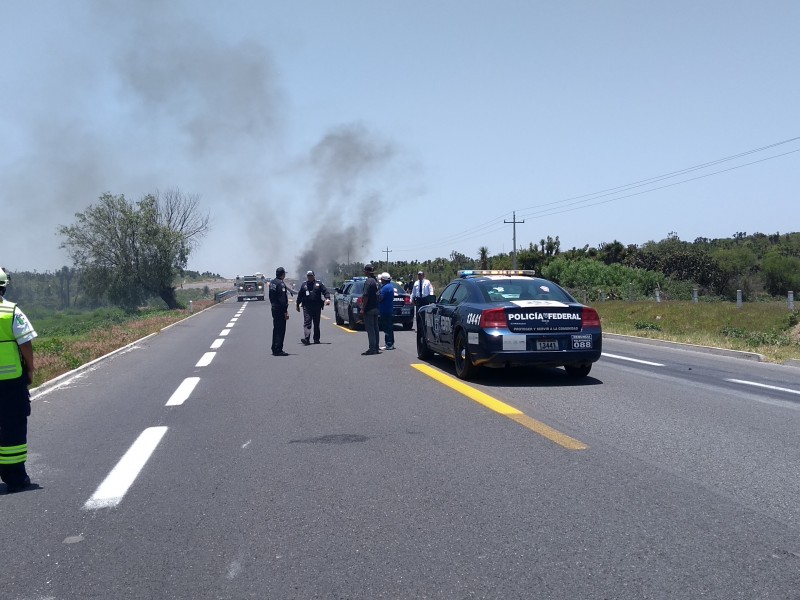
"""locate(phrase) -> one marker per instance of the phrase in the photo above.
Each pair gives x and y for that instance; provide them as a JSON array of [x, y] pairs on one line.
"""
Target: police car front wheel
[[465, 369]]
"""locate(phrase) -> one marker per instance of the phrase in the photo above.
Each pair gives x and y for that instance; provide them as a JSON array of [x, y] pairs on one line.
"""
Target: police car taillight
[[590, 318], [494, 318], [406, 299]]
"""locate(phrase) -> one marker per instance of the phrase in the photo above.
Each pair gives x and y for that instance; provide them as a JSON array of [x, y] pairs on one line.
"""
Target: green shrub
[[646, 326], [733, 332]]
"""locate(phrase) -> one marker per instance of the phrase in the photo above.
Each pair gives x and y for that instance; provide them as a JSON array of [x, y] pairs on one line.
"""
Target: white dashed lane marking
[[216, 343], [636, 360], [765, 386], [206, 359], [116, 485], [183, 392]]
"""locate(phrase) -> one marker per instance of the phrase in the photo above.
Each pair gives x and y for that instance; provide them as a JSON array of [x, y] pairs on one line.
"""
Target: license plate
[[406, 311], [547, 344], [582, 342]]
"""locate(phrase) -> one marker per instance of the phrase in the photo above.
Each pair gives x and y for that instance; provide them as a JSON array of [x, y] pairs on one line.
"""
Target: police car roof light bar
[[506, 272]]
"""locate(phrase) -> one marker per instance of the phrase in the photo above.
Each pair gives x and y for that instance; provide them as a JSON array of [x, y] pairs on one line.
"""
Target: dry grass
[[768, 328], [61, 354]]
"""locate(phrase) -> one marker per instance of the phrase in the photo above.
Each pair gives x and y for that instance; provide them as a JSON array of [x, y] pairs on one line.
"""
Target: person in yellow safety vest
[[16, 373]]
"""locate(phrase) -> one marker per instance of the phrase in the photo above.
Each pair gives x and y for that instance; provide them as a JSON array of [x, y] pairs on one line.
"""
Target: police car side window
[[460, 295], [447, 294]]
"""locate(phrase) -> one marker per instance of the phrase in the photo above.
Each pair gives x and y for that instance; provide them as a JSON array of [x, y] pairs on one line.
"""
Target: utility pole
[[514, 221], [387, 254]]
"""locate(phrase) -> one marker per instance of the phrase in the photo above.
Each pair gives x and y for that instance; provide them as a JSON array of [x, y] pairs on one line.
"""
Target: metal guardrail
[[222, 296]]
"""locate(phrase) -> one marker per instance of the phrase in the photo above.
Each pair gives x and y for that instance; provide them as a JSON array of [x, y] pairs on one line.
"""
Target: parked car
[[347, 302], [509, 318]]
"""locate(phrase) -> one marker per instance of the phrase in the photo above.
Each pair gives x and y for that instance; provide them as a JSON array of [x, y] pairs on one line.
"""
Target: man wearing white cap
[[386, 309], [313, 296]]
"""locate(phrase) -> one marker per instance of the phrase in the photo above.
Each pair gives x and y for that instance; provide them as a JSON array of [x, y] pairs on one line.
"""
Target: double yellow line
[[502, 408]]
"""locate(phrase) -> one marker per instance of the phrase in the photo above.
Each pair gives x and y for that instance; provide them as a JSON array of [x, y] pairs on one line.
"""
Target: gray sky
[[313, 129]]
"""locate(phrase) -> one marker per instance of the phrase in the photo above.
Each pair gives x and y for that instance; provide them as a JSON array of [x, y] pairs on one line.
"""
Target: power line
[[657, 178], [587, 200], [550, 212]]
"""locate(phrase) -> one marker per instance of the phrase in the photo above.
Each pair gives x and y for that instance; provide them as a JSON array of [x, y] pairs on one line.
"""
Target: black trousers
[[15, 408], [278, 329], [311, 316]]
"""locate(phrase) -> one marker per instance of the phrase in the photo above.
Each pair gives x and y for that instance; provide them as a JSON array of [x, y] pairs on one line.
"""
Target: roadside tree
[[130, 251]]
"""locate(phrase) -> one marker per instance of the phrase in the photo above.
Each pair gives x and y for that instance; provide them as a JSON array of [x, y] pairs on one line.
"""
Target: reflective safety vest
[[10, 358]]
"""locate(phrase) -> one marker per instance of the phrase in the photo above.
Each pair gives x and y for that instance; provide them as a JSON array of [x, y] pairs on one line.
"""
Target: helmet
[[309, 273], [385, 276], [279, 271], [3, 278]]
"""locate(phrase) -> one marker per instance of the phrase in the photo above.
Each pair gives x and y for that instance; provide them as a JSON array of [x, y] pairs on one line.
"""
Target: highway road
[[194, 464]]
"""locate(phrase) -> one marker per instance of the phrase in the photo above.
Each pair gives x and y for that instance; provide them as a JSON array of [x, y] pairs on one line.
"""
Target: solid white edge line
[[116, 484], [636, 360], [765, 386], [216, 343], [206, 359], [180, 395]]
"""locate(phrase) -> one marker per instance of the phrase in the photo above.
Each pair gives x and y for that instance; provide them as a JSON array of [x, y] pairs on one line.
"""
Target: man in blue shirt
[[385, 306]]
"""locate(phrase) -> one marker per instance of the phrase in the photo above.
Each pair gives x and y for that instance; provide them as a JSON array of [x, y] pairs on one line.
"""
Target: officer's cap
[[280, 271], [3, 278], [369, 268], [420, 272], [309, 273]]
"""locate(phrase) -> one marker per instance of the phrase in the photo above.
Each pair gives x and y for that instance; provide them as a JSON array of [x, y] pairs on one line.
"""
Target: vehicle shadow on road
[[540, 377]]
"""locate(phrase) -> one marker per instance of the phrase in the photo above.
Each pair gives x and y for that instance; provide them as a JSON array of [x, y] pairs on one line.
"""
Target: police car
[[347, 302], [499, 318]]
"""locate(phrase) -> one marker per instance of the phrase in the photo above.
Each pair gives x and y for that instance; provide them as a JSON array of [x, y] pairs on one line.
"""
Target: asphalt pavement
[[193, 464]]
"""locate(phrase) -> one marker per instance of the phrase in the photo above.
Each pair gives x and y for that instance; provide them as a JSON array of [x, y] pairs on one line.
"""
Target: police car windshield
[[522, 289]]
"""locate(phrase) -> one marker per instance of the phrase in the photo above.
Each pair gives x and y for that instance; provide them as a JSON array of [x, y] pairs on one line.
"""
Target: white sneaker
[[390, 347]]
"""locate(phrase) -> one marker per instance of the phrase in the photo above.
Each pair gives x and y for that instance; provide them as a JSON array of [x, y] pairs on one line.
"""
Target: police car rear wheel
[[463, 361], [339, 320], [578, 370], [423, 352], [351, 320]]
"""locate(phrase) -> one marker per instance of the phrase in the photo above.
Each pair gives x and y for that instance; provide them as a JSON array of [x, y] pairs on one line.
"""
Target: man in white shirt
[[422, 292]]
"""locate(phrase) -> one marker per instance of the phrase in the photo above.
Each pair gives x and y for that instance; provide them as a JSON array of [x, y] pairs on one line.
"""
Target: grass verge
[[768, 328], [67, 341]]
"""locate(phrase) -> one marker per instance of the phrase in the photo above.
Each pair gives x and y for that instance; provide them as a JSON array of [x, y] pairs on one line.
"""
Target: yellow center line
[[502, 408], [345, 329]]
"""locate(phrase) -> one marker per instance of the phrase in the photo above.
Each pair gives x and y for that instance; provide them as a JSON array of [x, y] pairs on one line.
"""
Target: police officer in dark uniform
[[279, 299], [313, 296]]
